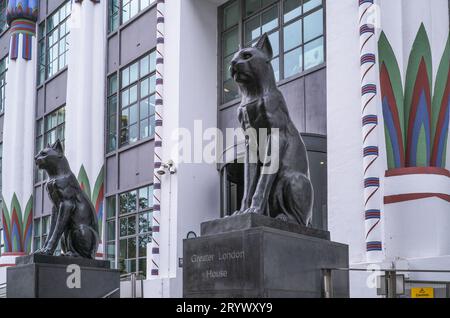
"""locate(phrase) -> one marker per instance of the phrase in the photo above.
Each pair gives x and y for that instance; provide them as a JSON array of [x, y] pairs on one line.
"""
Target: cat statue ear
[[265, 46], [58, 146]]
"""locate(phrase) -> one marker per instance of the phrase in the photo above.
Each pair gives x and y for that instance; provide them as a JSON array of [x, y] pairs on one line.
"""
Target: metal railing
[[133, 278], [387, 283]]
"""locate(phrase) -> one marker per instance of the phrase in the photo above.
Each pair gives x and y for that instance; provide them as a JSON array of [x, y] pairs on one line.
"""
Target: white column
[[86, 99], [18, 154]]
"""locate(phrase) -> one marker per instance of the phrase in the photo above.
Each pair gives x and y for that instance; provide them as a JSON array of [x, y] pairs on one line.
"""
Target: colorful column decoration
[[22, 16], [19, 121], [85, 106], [370, 151], [416, 116], [159, 108]]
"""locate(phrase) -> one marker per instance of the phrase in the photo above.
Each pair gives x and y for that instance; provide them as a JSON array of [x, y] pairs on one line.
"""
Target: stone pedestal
[[38, 276], [254, 256]]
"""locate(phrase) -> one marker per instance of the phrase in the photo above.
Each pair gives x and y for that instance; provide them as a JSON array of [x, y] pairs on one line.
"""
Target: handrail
[[108, 295], [389, 270]]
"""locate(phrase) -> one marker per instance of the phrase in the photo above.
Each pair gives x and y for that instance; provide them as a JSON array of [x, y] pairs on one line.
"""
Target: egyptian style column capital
[[22, 16]]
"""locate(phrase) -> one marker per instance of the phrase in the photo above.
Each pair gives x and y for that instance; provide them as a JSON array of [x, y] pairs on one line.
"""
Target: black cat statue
[[74, 221], [286, 193]]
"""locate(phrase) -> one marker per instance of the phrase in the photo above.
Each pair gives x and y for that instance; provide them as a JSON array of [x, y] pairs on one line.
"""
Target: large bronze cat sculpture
[[287, 193], [74, 221]]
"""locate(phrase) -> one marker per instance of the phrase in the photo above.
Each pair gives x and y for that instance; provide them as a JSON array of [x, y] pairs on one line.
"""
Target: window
[[112, 105], [129, 229], [48, 130], [3, 71], [52, 42], [295, 29], [137, 101], [3, 22], [41, 230], [127, 9]]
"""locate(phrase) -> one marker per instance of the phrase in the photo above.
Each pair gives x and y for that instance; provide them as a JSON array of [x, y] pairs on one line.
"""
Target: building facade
[[124, 83]]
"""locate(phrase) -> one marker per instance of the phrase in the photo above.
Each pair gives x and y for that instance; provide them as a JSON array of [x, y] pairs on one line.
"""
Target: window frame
[[3, 83], [118, 15], [44, 47], [3, 22], [241, 21], [116, 219], [117, 93], [39, 176]]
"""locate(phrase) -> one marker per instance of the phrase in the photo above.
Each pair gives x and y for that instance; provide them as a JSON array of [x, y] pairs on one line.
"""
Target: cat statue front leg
[[61, 223]]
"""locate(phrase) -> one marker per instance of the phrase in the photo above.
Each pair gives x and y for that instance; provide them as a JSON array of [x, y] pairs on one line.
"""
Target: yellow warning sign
[[423, 292]]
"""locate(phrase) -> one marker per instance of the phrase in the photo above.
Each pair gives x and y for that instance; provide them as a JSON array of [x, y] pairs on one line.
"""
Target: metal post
[[133, 285], [327, 284], [391, 284]]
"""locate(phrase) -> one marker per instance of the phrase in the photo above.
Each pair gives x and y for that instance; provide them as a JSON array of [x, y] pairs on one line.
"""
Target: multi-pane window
[[295, 29], [3, 71], [125, 10], [53, 47], [129, 229], [48, 130], [3, 22], [41, 230], [112, 104], [113, 15], [137, 100]]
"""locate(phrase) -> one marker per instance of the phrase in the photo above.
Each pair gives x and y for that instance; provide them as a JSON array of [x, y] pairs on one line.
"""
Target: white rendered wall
[[345, 172], [85, 107], [400, 20], [191, 196]]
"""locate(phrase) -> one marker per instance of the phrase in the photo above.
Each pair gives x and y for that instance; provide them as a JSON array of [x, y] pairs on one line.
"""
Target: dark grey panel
[[47, 208], [294, 93], [134, 166], [111, 175], [137, 38], [146, 163], [4, 44], [40, 108], [37, 201], [56, 91], [316, 102], [42, 10], [52, 5], [113, 53]]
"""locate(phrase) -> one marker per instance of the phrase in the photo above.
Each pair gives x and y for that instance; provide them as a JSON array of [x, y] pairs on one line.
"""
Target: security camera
[[172, 170], [161, 171], [167, 166]]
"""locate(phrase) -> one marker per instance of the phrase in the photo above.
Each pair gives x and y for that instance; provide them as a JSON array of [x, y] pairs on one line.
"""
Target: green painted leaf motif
[[98, 186], [421, 49], [387, 56], [28, 223], [16, 238], [439, 86], [83, 179]]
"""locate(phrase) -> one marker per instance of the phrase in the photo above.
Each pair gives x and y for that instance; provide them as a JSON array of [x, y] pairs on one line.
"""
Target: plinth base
[[38, 276], [258, 261]]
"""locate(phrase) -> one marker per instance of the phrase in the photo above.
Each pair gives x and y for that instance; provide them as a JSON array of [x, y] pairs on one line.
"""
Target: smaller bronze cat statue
[[74, 221], [287, 193]]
